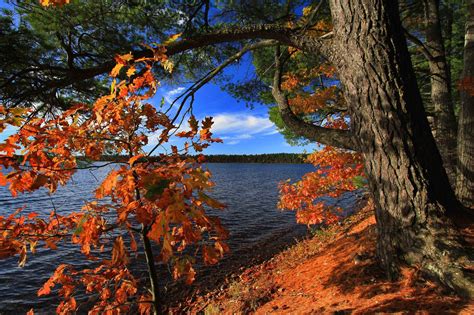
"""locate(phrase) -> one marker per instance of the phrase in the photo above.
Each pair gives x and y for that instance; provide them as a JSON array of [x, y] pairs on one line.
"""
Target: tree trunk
[[465, 176], [404, 168], [444, 119]]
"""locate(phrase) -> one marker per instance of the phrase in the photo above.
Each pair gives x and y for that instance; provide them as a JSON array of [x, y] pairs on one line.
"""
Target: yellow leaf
[[116, 70], [112, 86], [126, 57], [168, 65], [172, 39], [131, 71], [22, 260], [307, 10]]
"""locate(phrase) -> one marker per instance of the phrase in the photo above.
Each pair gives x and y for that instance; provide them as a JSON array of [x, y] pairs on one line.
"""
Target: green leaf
[[80, 225], [156, 189], [359, 181]]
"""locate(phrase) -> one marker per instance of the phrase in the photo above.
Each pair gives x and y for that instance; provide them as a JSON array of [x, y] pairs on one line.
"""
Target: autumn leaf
[[32, 215], [22, 259], [144, 305], [3, 179], [51, 244], [133, 242], [172, 39], [116, 70], [168, 65], [210, 201], [132, 160], [119, 253], [125, 58], [131, 71], [209, 255], [107, 185], [39, 181], [47, 3]]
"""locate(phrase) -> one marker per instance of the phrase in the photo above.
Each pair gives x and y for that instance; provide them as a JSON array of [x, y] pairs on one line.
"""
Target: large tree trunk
[[444, 119], [465, 177], [404, 168]]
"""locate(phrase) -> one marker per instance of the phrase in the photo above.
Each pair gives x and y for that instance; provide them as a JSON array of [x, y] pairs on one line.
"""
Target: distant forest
[[257, 158], [237, 158]]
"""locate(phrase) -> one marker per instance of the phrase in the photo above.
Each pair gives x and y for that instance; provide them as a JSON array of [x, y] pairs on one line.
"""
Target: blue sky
[[243, 130]]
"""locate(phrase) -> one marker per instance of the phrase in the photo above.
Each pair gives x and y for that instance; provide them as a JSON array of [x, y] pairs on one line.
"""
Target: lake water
[[249, 190]]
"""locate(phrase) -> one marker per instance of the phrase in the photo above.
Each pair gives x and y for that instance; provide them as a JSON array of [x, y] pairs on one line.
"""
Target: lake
[[249, 190]]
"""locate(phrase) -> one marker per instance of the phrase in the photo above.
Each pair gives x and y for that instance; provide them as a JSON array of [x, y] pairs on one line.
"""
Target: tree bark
[[444, 119], [404, 168], [465, 176]]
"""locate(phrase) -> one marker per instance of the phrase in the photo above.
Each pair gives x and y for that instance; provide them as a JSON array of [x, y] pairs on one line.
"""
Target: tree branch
[[282, 34], [415, 40], [333, 137], [210, 75]]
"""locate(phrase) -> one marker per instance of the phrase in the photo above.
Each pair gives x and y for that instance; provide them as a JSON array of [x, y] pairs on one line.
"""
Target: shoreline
[[214, 277]]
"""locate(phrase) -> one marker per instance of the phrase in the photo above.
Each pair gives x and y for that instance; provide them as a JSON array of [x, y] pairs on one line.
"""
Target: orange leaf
[[132, 160], [119, 254], [3, 180], [32, 215]]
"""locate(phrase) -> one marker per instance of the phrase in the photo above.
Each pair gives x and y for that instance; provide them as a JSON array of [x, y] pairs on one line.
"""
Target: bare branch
[[415, 40]]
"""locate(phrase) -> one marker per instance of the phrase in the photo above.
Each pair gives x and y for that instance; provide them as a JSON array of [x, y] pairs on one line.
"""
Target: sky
[[243, 130]]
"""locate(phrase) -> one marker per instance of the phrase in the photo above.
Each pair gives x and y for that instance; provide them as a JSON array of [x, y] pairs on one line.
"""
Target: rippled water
[[249, 190]]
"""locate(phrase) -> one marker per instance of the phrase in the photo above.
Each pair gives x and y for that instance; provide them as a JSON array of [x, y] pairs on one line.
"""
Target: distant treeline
[[257, 158], [235, 158]]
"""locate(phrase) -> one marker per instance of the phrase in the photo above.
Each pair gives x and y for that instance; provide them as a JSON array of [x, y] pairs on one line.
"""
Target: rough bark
[[444, 119], [404, 168], [465, 176]]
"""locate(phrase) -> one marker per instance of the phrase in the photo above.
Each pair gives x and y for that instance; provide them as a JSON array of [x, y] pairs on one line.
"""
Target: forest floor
[[333, 272]]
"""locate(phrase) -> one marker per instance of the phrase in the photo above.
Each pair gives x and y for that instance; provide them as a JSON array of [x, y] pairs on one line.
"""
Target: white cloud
[[241, 124], [234, 127], [172, 94], [272, 132], [237, 137]]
